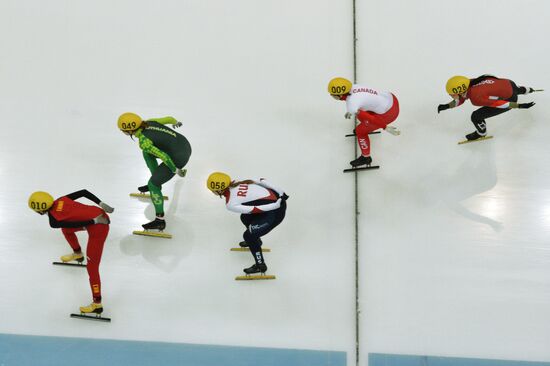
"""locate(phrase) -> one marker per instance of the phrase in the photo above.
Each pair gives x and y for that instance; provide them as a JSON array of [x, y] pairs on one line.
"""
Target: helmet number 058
[[217, 185]]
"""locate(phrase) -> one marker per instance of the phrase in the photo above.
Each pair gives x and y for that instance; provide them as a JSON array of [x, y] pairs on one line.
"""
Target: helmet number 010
[[460, 89], [39, 205]]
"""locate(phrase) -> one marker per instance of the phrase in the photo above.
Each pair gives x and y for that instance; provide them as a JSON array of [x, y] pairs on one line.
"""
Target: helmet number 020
[[217, 185], [460, 89], [39, 205]]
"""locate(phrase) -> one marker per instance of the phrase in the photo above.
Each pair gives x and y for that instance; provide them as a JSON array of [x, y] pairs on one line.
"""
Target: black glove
[[442, 107], [284, 197], [526, 105]]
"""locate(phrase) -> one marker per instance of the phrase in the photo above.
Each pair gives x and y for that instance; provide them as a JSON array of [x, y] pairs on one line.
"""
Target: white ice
[[454, 256]]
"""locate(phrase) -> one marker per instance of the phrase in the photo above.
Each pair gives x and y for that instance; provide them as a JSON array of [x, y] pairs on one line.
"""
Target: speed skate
[[145, 195], [155, 234], [255, 277], [478, 139], [91, 316]]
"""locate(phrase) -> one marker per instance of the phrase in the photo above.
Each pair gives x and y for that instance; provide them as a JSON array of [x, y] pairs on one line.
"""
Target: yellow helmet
[[339, 86], [128, 122], [40, 201], [218, 181], [457, 85]]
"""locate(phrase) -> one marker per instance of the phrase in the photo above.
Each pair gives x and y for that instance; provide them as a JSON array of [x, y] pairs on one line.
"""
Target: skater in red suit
[[494, 95], [71, 216]]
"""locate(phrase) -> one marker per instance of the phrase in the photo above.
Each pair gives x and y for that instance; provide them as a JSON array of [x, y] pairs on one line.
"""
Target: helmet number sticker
[[460, 89], [217, 185], [129, 125], [338, 89], [39, 205]]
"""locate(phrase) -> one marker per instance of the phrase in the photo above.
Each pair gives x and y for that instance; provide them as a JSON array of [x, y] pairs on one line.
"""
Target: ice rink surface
[[454, 250]]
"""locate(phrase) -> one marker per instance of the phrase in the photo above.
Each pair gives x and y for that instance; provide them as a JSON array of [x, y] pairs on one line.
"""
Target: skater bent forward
[[158, 142], [261, 205], [494, 95], [71, 217]]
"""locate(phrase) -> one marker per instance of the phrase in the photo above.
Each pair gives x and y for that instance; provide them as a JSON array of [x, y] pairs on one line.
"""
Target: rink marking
[[22, 350], [380, 359]]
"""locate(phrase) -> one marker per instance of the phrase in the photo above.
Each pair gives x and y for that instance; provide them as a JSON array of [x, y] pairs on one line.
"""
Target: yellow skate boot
[[94, 307], [79, 257]]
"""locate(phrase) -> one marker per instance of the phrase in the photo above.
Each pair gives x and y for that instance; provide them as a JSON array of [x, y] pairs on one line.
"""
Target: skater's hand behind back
[[101, 219], [106, 207]]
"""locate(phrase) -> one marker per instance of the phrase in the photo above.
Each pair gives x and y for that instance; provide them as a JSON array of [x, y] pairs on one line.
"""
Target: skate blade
[[96, 317], [145, 195], [81, 264], [254, 277], [370, 133], [239, 249], [153, 234], [371, 167], [479, 139]]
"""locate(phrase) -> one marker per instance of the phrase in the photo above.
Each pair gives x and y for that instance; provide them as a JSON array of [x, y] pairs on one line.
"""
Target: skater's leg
[[480, 115], [161, 175], [97, 236], [71, 238], [261, 225], [151, 162], [362, 132]]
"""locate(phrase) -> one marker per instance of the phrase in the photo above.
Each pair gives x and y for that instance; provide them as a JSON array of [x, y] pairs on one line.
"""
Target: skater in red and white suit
[[262, 207], [71, 216], [373, 108]]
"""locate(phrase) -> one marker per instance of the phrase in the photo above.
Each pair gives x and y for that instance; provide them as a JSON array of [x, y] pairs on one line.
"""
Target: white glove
[[393, 130], [177, 124], [106, 207], [348, 115], [101, 219], [181, 172]]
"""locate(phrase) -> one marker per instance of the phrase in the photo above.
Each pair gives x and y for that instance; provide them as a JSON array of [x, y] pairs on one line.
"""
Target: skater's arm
[[452, 104], [239, 208], [54, 223], [164, 120], [147, 146], [84, 193], [262, 182]]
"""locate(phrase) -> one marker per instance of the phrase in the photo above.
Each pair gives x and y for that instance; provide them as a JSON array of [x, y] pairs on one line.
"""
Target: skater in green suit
[[158, 142]]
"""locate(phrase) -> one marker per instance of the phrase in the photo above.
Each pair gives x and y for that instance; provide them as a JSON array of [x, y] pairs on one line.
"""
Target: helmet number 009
[[39, 205], [338, 89], [217, 185], [460, 89], [129, 125]]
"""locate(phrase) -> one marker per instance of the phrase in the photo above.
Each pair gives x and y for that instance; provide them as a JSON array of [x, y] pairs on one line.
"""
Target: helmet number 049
[[129, 125]]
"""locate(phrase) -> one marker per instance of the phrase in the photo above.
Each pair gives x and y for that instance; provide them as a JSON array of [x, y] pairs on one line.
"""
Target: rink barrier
[[380, 359], [23, 350]]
